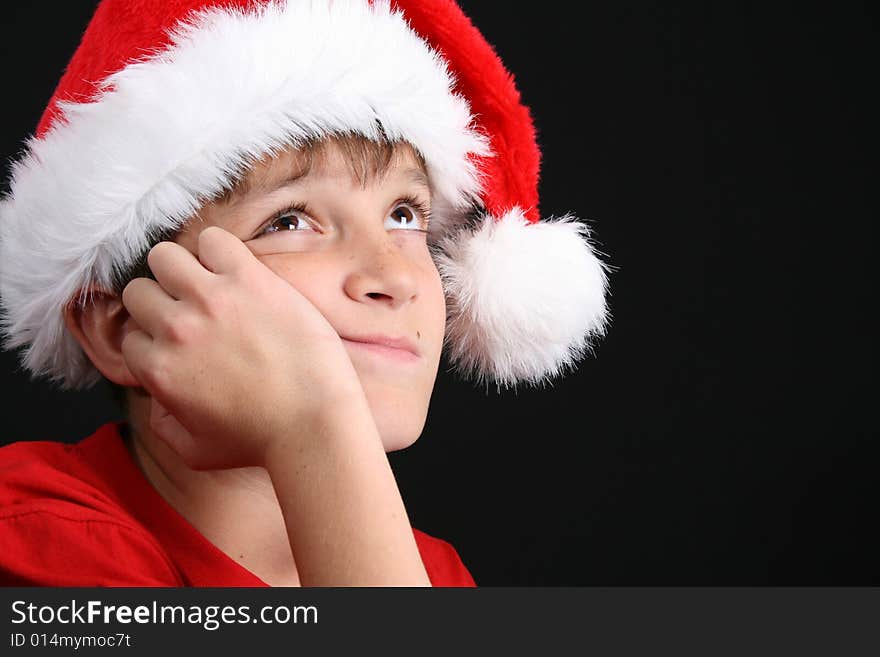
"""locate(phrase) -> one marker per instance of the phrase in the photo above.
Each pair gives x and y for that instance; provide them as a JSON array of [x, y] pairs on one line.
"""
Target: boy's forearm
[[345, 518]]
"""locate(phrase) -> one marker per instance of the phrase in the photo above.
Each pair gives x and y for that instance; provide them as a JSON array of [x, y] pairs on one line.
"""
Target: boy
[[328, 193]]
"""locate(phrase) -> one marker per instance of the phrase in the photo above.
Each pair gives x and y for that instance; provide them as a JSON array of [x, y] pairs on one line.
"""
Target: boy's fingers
[[149, 305], [178, 271], [222, 252], [136, 349], [171, 431]]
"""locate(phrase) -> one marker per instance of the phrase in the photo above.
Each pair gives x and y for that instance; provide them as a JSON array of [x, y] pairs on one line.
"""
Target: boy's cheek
[[302, 272], [320, 278]]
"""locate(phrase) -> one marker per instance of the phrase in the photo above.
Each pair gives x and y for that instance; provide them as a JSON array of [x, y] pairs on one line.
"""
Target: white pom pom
[[524, 301]]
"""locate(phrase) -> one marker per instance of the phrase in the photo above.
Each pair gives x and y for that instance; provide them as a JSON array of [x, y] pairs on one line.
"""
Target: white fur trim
[[169, 132], [524, 301]]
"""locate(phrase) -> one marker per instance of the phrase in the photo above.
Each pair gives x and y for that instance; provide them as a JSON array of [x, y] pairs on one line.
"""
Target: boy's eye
[[413, 215], [288, 220], [409, 214]]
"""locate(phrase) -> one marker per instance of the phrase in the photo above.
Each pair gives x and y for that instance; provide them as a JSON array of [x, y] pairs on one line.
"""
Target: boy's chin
[[397, 434], [400, 415], [396, 443], [398, 431]]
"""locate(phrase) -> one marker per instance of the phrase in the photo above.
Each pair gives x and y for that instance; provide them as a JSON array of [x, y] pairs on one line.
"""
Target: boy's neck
[[236, 509]]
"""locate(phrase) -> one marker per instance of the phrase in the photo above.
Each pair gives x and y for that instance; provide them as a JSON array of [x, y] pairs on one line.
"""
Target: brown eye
[[407, 217], [290, 220], [404, 214]]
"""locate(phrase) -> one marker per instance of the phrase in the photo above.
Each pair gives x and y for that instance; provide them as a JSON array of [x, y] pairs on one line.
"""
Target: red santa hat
[[165, 102]]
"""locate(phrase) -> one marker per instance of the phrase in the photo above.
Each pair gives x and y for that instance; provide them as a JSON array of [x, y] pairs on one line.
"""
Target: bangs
[[366, 160]]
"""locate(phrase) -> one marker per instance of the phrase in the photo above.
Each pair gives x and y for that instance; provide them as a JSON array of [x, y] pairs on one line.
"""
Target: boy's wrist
[[344, 515], [345, 418]]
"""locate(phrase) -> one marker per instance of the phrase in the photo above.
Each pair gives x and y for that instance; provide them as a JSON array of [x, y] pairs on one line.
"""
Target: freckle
[[418, 335]]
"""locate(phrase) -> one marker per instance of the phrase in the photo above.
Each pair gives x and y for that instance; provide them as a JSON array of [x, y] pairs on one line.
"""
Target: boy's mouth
[[401, 349]]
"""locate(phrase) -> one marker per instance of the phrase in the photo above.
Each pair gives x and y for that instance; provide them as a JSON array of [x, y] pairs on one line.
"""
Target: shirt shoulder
[[442, 562], [41, 474], [61, 526]]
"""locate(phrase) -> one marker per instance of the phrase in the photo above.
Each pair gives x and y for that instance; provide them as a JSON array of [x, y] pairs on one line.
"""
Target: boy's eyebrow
[[284, 182], [419, 177], [266, 186]]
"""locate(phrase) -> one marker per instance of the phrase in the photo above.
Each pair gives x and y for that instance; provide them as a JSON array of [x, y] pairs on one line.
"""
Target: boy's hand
[[234, 356]]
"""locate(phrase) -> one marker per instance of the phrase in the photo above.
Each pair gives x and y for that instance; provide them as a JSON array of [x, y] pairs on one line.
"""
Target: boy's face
[[356, 254]]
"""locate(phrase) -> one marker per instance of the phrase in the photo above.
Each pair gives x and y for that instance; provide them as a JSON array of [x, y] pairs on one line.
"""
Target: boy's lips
[[383, 344]]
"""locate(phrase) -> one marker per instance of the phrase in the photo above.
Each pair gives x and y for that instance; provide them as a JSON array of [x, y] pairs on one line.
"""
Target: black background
[[722, 434]]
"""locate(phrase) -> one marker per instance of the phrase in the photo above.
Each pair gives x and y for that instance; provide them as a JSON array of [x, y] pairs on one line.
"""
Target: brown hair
[[366, 159]]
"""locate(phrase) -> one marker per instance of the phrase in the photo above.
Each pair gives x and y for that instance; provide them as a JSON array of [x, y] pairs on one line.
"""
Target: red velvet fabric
[[85, 515]]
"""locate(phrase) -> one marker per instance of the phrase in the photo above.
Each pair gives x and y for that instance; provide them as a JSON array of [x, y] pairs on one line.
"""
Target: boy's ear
[[100, 327]]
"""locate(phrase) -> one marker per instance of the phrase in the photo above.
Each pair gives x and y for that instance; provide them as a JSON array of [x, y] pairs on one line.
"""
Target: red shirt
[[85, 515]]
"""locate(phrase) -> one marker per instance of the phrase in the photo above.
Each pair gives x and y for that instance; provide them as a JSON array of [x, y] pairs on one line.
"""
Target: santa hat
[[165, 102]]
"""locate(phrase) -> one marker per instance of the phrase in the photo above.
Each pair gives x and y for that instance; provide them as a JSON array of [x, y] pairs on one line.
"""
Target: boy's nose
[[380, 272]]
